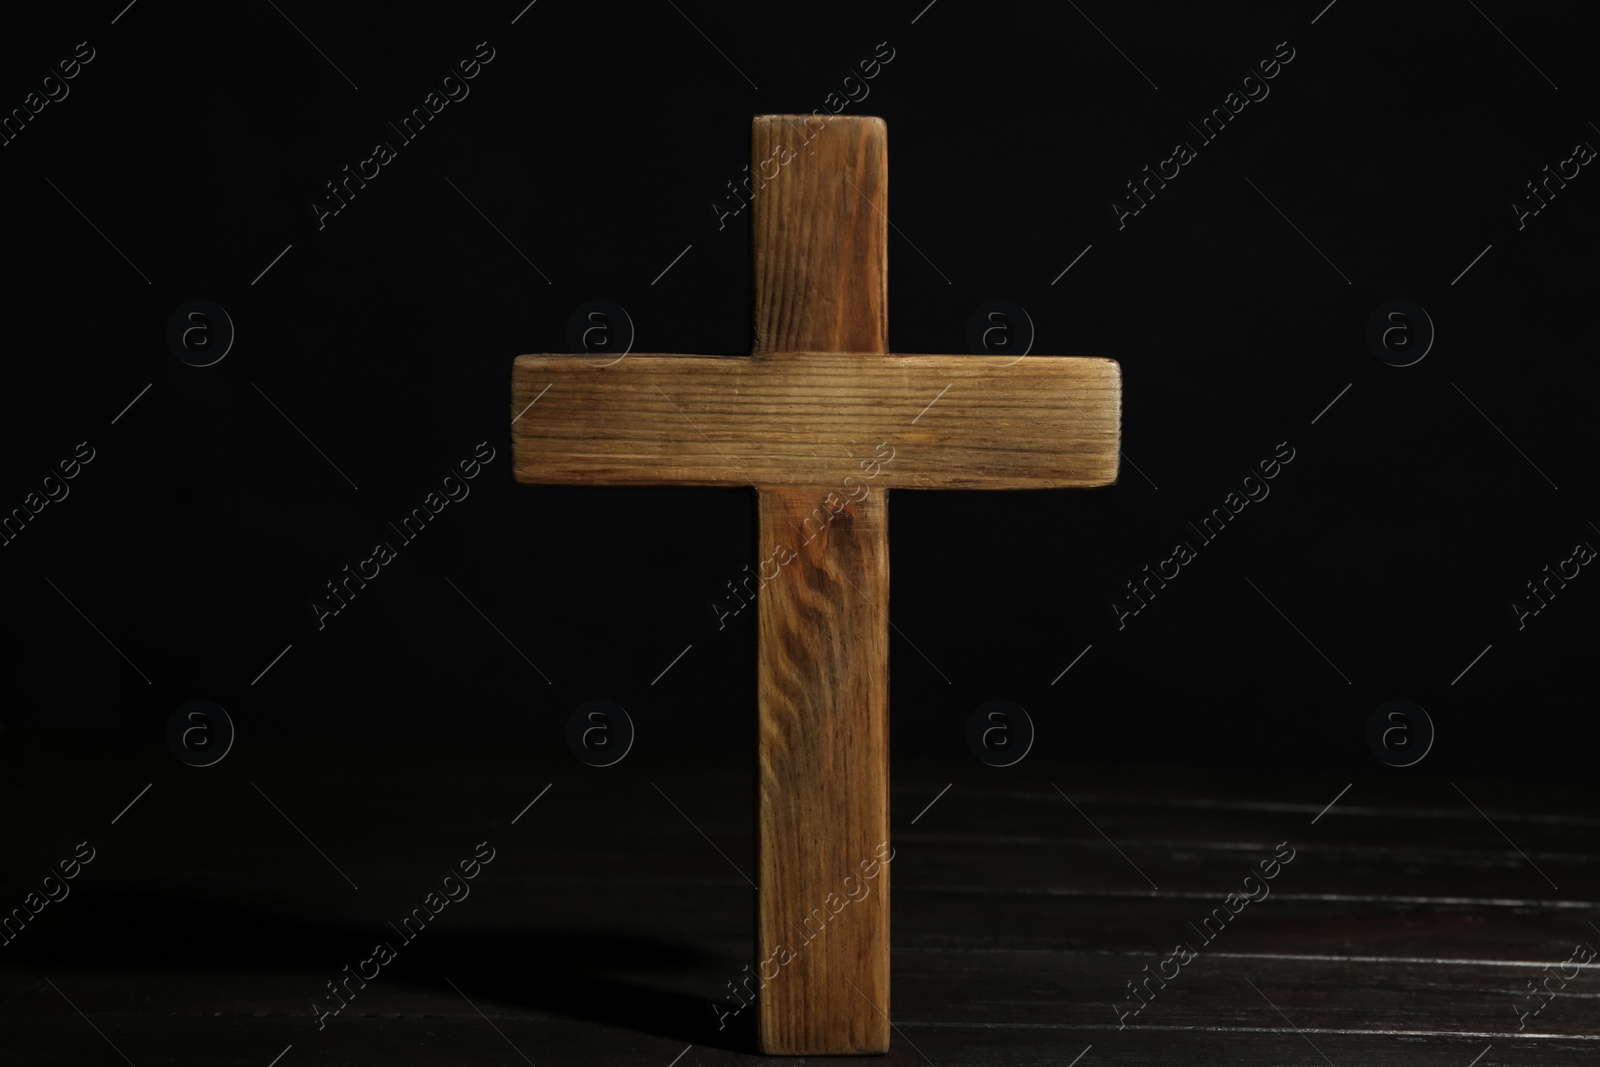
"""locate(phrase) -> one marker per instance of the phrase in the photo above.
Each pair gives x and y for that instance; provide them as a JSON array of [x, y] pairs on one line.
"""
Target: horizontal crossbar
[[812, 418]]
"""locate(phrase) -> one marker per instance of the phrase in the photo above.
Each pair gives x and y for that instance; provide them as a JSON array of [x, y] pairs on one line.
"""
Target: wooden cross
[[796, 419]]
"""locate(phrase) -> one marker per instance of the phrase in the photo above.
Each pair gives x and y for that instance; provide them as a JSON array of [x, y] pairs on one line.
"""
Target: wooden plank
[[1108, 991], [62, 1039], [792, 418], [1493, 874], [820, 216], [822, 793], [1357, 1004], [822, 651]]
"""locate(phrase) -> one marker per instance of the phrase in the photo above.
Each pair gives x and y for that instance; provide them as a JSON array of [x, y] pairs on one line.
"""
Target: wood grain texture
[[820, 226], [822, 815], [821, 278], [798, 418]]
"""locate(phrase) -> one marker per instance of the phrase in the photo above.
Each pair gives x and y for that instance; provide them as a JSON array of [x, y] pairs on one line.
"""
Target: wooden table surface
[[616, 910]]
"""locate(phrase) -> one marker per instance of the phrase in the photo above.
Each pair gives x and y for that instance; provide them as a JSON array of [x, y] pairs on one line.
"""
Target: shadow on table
[[568, 973]]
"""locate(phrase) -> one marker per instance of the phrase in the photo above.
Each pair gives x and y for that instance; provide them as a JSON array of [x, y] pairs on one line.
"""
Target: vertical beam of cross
[[821, 285]]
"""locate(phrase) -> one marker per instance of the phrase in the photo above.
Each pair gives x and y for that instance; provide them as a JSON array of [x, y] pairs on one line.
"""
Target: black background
[[594, 141]]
